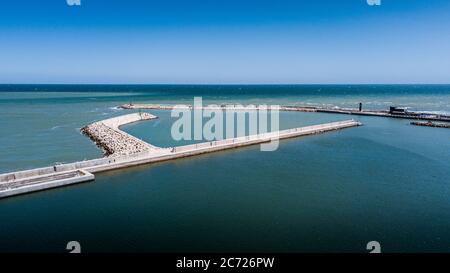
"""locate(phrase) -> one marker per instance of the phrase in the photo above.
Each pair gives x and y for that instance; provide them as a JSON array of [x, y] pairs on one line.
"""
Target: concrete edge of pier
[[214, 146], [115, 142]]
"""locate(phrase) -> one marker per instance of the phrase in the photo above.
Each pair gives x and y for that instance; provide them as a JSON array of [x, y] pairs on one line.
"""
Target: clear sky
[[225, 41]]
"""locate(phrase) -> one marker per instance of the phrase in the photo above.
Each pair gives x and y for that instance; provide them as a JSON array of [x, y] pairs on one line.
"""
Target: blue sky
[[179, 41]]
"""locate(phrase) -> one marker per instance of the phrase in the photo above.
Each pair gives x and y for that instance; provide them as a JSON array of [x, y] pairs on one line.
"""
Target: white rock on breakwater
[[114, 142]]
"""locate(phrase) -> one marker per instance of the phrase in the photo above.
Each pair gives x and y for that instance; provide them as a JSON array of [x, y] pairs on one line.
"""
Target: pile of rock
[[113, 141]]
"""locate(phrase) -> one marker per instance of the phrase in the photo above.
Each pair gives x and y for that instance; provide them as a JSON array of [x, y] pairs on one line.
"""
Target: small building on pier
[[394, 110]]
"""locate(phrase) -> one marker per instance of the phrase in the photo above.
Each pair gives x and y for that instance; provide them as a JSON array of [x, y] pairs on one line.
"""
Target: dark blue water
[[385, 181]]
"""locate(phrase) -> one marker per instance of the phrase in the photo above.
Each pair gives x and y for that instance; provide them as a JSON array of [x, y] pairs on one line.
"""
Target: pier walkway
[[143, 153]]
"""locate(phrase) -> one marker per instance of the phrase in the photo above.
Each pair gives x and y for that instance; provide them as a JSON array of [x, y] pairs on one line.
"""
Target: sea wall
[[116, 122], [345, 111], [7, 177], [59, 175], [212, 146], [105, 133]]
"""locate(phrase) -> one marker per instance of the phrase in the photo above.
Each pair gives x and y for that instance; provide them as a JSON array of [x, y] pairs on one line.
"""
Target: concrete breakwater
[[115, 142], [165, 154], [64, 174], [43, 182], [345, 111], [211, 107]]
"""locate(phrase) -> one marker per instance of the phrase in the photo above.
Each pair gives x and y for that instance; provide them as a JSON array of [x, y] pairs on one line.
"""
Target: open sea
[[386, 181]]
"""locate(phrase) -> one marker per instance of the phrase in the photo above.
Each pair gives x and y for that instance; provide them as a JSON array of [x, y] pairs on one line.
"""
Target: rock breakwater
[[115, 142]]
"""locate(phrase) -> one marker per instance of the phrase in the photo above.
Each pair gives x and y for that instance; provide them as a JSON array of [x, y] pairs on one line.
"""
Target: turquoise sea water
[[385, 181]]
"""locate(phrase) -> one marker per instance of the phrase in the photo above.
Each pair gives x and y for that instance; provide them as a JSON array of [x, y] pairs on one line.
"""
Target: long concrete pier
[[346, 111], [64, 174], [43, 182]]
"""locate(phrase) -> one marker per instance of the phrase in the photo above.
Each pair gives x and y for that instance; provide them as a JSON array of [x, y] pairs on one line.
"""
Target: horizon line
[[229, 84]]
